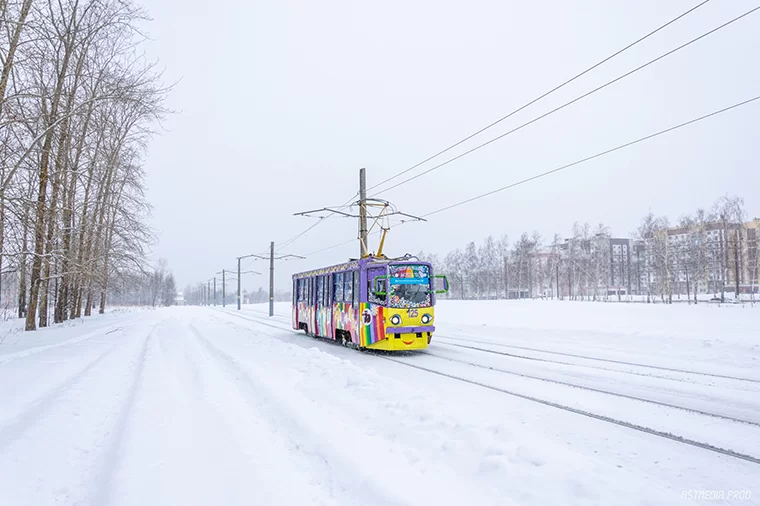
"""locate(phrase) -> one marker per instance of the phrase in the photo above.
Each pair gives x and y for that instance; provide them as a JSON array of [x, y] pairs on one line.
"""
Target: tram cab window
[[410, 286]]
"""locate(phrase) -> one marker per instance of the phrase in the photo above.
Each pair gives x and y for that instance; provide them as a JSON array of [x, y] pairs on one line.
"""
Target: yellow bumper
[[397, 342]]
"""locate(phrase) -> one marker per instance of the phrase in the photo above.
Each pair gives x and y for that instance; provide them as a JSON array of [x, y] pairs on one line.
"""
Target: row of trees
[[705, 252], [77, 101], [155, 287]]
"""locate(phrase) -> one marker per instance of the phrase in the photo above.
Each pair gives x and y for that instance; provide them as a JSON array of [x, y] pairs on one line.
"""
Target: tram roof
[[354, 264]]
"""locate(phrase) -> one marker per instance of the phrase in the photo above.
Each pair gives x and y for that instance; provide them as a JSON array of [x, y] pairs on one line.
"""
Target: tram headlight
[[426, 318], [395, 319]]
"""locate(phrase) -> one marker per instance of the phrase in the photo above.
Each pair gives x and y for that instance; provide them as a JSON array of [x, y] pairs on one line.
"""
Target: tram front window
[[409, 286]]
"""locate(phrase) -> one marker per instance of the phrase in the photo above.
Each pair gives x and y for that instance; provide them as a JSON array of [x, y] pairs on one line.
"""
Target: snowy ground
[[525, 403]]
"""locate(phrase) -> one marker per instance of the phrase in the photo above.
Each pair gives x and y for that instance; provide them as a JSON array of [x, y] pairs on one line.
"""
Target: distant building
[[711, 259], [598, 266], [620, 267], [179, 299]]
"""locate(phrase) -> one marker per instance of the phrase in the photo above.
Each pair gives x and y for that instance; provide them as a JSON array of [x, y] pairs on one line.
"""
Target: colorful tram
[[374, 303]]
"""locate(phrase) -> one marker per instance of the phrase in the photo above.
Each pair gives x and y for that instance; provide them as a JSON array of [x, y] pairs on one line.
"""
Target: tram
[[371, 303]]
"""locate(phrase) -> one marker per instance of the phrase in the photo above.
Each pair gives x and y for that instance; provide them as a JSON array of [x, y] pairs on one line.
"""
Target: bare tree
[[729, 211], [77, 101]]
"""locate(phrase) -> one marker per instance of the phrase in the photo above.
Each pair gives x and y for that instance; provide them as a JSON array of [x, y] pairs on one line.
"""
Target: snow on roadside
[[15, 343], [64, 414]]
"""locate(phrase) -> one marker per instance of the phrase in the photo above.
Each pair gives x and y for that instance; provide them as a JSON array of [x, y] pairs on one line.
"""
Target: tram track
[[447, 340], [597, 390], [621, 423], [260, 320]]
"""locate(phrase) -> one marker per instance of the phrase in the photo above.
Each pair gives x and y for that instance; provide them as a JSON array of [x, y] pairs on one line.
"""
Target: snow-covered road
[[186, 406]]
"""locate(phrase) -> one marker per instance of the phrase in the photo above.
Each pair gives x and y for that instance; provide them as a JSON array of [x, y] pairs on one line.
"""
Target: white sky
[[281, 102]]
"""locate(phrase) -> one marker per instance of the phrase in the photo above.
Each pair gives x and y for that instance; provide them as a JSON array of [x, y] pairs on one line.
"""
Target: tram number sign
[[413, 313]]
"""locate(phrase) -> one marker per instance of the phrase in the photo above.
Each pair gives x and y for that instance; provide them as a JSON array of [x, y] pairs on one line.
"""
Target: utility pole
[[214, 290], [272, 258], [381, 217], [363, 212], [271, 278], [223, 272], [238, 290], [240, 295]]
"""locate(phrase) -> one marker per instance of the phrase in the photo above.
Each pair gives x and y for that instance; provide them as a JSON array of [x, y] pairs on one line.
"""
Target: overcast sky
[[280, 103]]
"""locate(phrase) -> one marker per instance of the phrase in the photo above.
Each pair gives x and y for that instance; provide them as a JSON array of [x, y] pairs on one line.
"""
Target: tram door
[[324, 306]]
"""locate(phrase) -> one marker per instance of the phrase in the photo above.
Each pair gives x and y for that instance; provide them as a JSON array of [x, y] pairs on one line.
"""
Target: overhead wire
[[592, 157], [566, 104], [293, 239], [544, 95], [322, 219]]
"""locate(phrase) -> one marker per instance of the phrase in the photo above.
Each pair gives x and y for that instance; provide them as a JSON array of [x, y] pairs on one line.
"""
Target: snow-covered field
[[521, 402]]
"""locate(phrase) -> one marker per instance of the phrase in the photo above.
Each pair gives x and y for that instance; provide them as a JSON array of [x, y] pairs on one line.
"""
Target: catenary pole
[[271, 278], [363, 212]]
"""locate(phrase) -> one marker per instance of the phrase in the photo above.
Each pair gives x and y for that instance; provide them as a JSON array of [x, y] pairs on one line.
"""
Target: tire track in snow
[[261, 436], [191, 438], [58, 457], [110, 456], [254, 394], [36, 411], [356, 450]]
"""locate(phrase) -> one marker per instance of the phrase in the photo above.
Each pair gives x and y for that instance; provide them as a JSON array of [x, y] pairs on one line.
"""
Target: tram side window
[[357, 287], [338, 287], [348, 286]]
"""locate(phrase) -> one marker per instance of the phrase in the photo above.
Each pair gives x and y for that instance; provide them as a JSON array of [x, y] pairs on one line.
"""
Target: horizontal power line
[[546, 94], [592, 157], [293, 239], [557, 109]]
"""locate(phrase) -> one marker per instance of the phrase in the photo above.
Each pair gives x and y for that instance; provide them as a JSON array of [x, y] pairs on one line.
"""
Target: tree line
[[710, 251], [77, 103]]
